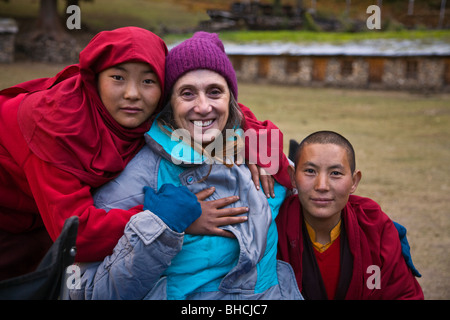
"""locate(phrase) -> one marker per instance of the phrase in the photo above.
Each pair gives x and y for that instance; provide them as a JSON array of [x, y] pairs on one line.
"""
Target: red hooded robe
[[372, 239], [57, 141]]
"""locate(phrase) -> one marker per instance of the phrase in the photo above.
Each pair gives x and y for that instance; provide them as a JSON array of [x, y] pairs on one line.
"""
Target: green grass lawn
[[156, 15], [297, 36], [100, 15]]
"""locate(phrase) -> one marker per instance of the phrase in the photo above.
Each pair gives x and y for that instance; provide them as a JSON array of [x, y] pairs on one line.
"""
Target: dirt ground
[[402, 143]]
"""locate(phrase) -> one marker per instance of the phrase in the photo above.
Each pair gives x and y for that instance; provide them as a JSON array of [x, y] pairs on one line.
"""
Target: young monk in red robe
[[341, 246]]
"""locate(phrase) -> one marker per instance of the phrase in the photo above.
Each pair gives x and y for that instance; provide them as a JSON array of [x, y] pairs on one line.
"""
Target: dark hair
[[325, 137]]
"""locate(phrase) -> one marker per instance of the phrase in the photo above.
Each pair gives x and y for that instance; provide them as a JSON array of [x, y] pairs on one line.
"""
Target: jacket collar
[[171, 147]]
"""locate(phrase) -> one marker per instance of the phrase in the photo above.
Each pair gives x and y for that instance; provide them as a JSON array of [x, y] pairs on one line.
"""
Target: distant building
[[372, 65]]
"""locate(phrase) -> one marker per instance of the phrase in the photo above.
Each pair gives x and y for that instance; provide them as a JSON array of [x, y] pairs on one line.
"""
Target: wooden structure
[[426, 69]]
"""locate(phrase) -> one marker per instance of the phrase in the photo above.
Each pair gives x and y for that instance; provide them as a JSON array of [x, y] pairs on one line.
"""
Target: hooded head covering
[[63, 119], [203, 51]]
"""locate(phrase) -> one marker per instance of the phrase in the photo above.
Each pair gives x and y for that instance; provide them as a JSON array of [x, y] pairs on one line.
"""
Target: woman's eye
[[149, 81], [187, 94], [309, 171], [215, 92]]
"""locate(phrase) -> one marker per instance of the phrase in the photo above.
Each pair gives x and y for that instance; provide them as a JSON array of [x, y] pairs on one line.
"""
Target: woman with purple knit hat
[[192, 145]]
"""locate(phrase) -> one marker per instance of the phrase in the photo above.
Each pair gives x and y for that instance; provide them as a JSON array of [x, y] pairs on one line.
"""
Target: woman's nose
[[203, 105]]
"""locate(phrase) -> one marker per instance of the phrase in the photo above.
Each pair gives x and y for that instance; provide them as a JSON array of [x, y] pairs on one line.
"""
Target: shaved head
[[329, 137]]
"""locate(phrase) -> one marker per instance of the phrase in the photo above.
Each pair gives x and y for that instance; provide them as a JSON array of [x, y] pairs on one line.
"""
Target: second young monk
[[341, 246]]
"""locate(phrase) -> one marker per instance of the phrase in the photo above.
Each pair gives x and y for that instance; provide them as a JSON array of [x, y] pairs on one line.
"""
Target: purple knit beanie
[[203, 51]]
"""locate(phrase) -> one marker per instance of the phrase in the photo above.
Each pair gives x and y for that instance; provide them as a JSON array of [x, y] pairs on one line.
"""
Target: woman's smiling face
[[200, 102]]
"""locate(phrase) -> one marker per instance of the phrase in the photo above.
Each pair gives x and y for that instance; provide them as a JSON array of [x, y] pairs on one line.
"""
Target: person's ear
[[357, 176], [291, 171]]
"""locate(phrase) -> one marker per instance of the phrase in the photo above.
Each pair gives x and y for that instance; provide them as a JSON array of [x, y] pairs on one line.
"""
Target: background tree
[[49, 23]]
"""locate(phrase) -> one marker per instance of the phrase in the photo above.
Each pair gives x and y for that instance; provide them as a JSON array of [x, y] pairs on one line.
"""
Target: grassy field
[[402, 143], [307, 37], [109, 14]]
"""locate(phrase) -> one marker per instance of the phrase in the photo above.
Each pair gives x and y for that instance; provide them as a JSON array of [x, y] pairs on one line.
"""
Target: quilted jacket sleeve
[[137, 263]]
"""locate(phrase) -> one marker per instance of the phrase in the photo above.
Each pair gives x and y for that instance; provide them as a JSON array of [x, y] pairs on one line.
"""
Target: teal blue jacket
[[192, 266]]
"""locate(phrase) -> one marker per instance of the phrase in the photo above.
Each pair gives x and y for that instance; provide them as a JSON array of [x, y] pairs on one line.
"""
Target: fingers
[[232, 212], [223, 202], [259, 176], [268, 186], [205, 193], [216, 207], [255, 174], [223, 233], [210, 226], [267, 183], [265, 186], [228, 220]]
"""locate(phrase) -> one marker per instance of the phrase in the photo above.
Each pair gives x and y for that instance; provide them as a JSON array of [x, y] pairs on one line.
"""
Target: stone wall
[[8, 31], [46, 49], [35, 45], [399, 73]]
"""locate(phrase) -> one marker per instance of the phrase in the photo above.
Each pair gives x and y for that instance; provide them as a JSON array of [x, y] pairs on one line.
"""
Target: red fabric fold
[[63, 119], [273, 159], [373, 241]]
